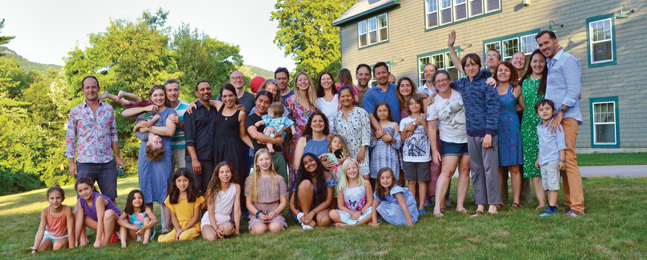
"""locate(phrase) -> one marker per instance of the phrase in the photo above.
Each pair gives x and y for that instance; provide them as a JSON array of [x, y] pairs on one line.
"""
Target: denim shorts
[[453, 149]]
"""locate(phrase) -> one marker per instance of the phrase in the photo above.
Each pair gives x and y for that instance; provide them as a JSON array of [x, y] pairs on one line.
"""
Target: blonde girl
[[56, 228], [138, 221], [395, 204], [355, 206], [266, 196], [337, 153], [223, 198]]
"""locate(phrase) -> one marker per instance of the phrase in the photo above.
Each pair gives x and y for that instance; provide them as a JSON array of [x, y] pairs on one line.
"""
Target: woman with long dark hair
[[312, 193], [327, 98], [533, 85]]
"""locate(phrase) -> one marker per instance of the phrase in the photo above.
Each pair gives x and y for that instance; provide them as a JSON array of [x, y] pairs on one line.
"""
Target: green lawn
[[597, 159], [614, 227]]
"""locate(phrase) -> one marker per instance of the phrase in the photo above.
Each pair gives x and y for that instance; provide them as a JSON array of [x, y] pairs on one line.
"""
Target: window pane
[[596, 108], [373, 36], [362, 40], [381, 21], [438, 61], [448, 59], [476, 7], [421, 64], [361, 27], [431, 6], [492, 5], [372, 24], [446, 16], [528, 44], [453, 72], [605, 133], [445, 4], [432, 19], [384, 34], [493, 45], [602, 51], [509, 48], [607, 29], [461, 11]]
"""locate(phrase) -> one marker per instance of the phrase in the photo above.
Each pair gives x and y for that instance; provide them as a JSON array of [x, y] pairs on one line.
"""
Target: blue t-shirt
[[376, 95]]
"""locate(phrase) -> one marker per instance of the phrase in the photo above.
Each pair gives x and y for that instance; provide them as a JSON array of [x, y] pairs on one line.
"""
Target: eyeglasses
[[441, 81], [238, 78]]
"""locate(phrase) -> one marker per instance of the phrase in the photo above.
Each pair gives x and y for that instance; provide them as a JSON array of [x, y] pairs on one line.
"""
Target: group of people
[[340, 152]]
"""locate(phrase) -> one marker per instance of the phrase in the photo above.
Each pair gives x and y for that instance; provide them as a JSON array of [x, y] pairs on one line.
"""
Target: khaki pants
[[573, 192]]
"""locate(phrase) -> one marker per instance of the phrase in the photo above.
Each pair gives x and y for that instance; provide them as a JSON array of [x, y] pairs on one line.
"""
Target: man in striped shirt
[[178, 145]]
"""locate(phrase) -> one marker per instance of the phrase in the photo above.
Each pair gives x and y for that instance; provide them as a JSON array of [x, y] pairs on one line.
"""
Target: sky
[[47, 30]]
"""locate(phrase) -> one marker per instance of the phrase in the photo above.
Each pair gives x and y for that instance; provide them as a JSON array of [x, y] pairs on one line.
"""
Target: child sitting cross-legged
[[550, 159], [138, 221], [355, 198]]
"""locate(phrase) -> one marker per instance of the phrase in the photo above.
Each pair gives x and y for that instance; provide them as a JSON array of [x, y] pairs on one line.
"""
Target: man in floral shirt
[[92, 138]]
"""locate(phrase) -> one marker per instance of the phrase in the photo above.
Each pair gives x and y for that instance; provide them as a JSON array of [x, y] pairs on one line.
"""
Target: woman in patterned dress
[[533, 89], [352, 123], [300, 105], [510, 155]]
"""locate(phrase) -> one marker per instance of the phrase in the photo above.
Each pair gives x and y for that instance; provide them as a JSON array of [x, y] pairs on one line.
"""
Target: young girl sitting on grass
[[385, 149], [355, 206], [96, 211], [223, 198], [395, 204], [266, 195], [137, 224], [185, 204], [56, 229]]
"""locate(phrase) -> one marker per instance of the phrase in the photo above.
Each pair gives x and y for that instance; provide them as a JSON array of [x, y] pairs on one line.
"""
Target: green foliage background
[[130, 55]]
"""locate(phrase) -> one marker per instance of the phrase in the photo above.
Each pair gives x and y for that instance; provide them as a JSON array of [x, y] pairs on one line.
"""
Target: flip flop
[[476, 214]]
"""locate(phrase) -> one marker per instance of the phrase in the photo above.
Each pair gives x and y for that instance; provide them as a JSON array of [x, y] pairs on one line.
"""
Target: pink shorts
[[144, 103]]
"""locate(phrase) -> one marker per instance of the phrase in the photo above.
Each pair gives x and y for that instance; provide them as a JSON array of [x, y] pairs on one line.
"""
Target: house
[[607, 36]]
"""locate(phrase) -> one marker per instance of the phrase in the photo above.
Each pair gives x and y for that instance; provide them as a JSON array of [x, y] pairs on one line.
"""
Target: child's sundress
[[390, 209]]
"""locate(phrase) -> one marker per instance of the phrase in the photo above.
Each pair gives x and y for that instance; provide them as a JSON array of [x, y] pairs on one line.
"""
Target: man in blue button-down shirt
[[563, 87]]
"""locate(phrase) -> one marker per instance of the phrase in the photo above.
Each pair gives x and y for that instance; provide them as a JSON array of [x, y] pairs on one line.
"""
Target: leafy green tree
[[4, 39], [201, 57], [306, 33]]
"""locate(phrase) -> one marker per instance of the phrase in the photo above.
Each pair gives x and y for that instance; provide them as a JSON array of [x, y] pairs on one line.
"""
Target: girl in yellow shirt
[[185, 204]]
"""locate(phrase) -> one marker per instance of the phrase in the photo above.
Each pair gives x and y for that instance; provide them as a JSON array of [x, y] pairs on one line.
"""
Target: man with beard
[[282, 76], [199, 133], [363, 76]]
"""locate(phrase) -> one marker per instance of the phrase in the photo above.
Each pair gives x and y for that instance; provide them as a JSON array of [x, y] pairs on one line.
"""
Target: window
[[442, 12], [460, 10], [492, 5], [441, 59], [507, 46], [604, 122], [476, 7], [601, 37], [373, 30], [432, 13]]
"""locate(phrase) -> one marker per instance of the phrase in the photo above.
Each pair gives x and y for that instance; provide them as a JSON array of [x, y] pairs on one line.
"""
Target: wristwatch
[[561, 108]]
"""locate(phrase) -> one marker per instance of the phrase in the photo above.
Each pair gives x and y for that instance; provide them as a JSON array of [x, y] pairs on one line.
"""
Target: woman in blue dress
[[510, 152], [154, 175]]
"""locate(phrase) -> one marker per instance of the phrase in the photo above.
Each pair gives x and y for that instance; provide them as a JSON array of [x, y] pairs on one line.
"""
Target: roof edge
[[368, 12]]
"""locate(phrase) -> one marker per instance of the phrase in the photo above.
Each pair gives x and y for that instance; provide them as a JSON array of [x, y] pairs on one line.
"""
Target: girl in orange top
[[56, 222]]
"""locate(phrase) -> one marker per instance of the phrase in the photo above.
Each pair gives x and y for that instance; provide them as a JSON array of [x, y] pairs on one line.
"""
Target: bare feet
[[271, 150], [104, 95], [121, 94]]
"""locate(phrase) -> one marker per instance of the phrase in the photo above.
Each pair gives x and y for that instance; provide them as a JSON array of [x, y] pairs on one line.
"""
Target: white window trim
[[377, 31], [427, 15], [441, 9], [502, 51], [609, 40], [467, 10], [615, 116], [485, 7], [445, 63]]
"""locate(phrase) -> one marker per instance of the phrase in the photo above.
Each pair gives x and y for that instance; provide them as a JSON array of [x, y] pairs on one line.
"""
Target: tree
[[307, 35], [4, 39], [201, 57]]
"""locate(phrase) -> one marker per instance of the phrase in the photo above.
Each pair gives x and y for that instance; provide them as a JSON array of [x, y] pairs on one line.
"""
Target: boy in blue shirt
[[550, 159]]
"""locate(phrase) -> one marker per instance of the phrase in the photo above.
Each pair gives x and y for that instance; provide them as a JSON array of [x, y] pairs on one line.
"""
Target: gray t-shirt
[[360, 95], [145, 117], [247, 100]]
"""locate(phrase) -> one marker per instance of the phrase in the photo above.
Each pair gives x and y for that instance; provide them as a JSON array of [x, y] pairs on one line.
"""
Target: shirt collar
[[541, 122], [555, 58], [85, 104]]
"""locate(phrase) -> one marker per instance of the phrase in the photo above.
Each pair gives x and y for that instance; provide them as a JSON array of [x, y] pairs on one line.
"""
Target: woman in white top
[[448, 109], [327, 98]]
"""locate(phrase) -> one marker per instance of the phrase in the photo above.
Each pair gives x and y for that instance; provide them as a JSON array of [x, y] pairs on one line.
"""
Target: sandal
[[464, 211], [443, 210], [492, 213], [515, 206], [438, 215], [476, 214]]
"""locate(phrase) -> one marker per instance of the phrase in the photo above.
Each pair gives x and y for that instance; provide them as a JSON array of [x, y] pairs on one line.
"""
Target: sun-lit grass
[[614, 227], [598, 159]]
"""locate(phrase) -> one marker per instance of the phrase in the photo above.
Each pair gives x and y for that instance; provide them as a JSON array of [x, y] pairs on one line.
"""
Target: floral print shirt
[[90, 138]]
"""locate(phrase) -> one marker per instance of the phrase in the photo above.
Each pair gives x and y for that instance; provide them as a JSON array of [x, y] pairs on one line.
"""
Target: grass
[[614, 227], [598, 159]]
